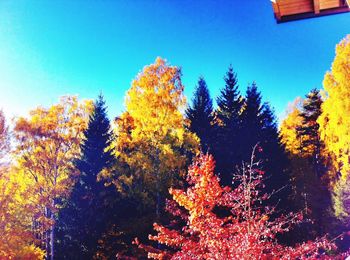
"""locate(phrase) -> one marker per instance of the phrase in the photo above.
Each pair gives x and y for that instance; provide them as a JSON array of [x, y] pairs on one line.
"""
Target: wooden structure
[[290, 10]]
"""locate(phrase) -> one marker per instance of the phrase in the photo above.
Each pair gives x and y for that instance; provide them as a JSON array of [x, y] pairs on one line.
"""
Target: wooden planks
[[328, 4], [289, 10], [288, 7], [317, 6]]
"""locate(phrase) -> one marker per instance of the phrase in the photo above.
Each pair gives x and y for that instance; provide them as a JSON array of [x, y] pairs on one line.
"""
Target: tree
[[47, 144], [334, 125], [4, 139], [153, 143], [89, 211], [153, 147], [228, 125], [200, 115], [259, 126], [252, 118], [16, 238], [309, 130], [289, 128], [299, 134], [248, 231]]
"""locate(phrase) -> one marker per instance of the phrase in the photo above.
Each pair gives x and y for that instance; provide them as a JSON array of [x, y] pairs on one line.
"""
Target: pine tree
[[259, 126], [89, 211], [227, 126], [308, 131], [200, 115], [230, 101], [254, 118]]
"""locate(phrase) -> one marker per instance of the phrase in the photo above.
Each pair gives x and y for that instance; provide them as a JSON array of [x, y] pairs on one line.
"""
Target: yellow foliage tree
[[16, 239], [48, 142], [289, 126], [16, 203], [4, 139], [153, 143], [335, 123]]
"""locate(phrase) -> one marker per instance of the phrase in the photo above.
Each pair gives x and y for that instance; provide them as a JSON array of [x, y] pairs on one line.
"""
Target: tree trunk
[[52, 233], [46, 236], [52, 246], [157, 184]]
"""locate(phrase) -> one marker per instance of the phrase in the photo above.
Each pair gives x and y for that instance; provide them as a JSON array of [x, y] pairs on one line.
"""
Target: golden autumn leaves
[[334, 126], [47, 142], [153, 148], [152, 139], [152, 143]]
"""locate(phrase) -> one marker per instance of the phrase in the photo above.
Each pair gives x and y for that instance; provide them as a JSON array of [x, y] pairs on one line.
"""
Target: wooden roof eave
[[316, 12]]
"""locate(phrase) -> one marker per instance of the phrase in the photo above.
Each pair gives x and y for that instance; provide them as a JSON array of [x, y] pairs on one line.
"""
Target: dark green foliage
[[230, 101], [259, 126], [310, 193], [312, 197], [308, 132], [200, 115], [227, 127], [91, 208]]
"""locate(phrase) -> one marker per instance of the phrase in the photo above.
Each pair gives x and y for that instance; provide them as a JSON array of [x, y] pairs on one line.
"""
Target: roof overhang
[[290, 10]]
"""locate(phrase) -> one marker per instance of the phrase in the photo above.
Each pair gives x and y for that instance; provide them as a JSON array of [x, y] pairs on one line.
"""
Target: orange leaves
[[227, 224], [202, 197]]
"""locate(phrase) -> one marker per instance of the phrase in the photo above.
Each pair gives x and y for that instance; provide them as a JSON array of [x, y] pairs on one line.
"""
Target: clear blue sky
[[52, 48]]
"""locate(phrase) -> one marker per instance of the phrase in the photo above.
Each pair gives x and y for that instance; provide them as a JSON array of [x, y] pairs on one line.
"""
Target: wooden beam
[[332, 11], [276, 10], [317, 6]]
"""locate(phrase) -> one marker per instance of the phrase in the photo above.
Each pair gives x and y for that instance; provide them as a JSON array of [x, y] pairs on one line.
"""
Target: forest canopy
[[171, 178]]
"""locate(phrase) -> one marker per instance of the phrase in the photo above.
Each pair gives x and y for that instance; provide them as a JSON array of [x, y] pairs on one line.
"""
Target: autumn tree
[[247, 231], [289, 127], [89, 210], [48, 141], [153, 146], [299, 134], [16, 238], [4, 139], [335, 125], [228, 126], [200, 115], [152, 141]]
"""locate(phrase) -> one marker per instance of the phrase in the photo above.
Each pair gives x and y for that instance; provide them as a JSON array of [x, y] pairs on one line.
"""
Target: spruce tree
[[227, 127], [200, 115], [252, 118], [259, 126], [229, 102], [308, 131], [307, 168], [90, 209]]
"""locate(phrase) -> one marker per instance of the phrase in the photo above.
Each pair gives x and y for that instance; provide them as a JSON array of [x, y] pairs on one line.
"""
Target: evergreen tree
[[89, 211], [230, 101], [259, 126], [310, 193], [308, 131], [253, 120], [200, 115], [227, 126]]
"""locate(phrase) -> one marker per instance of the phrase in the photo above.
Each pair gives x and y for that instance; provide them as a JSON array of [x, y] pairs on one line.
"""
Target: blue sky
[[53, 48]]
